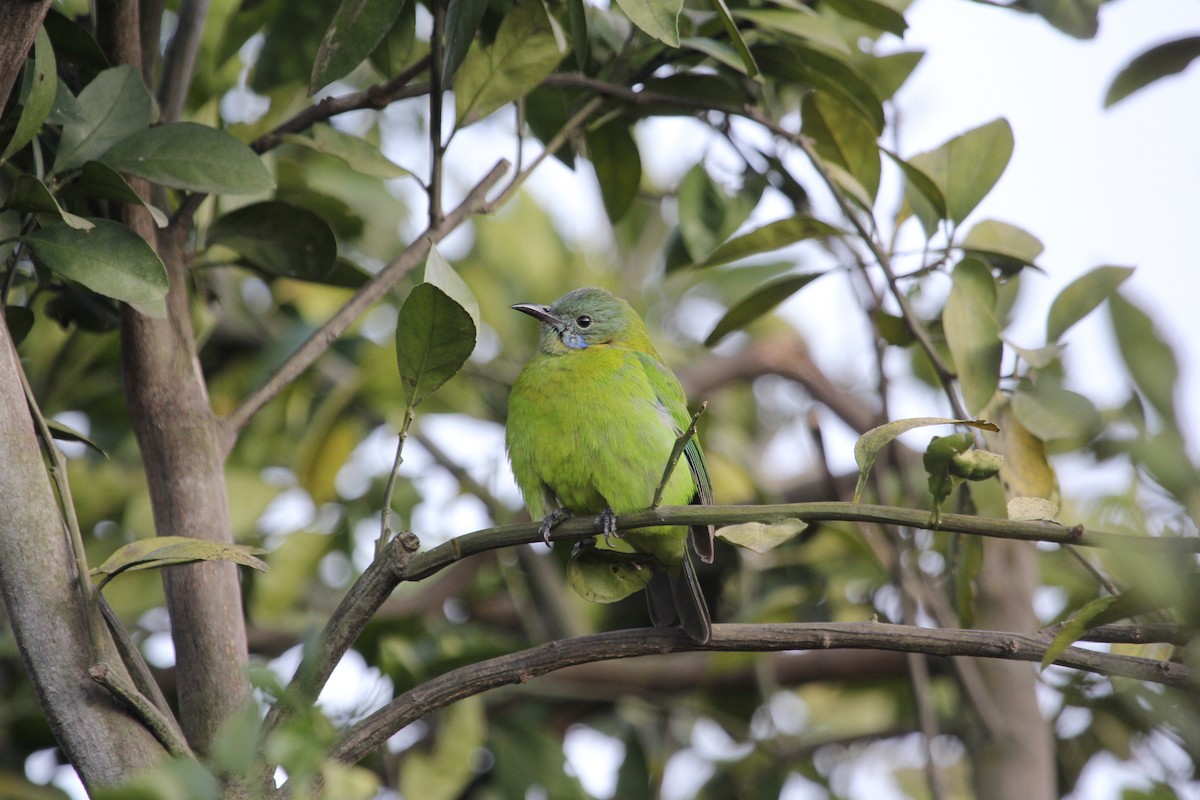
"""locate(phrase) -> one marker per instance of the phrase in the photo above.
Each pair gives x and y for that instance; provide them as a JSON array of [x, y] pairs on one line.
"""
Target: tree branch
[[363, 737], [475, 202]]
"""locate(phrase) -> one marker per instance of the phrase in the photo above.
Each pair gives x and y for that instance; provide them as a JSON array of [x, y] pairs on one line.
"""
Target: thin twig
[[180, 59], [159, 724], [680, 444], [385, 516], [437, 148]]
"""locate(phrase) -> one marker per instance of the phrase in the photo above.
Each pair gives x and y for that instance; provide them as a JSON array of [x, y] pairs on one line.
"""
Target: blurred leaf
[[972, 333], [1051, 412], [1080, 298], [186, 155], [937, 459], [279, 239], [992, 238], [1031, 509], [439, 272], [39, 85], [757, 303], [356, 29], [867, 448], [967, 166], [286, 584], [923, 194], [292, 33], [614, 156], [19, 320], [749, 67], [100, 180], [761, 537], [659, 18], [165, 551], [1158, 62], [772, 236], [799, 21], [1026, 472], [968, 567], [359, 154], [871, 12], [843, 137], [462, 21], [887, 73], [604, 576], [31, 196], [1075, 627], [109, 259], [434, 338], [818, 69], [399, 48], [707, 215], [1038, 357], [1078, 18], [523, 53], [1150, 359], [577, 20], [114, 105]]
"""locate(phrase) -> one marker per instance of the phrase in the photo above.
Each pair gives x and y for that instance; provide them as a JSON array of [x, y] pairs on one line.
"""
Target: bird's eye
[[583, 321]]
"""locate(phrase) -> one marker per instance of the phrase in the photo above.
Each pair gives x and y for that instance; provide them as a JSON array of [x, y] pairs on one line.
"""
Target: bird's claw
[[607, 523], [550, 521]]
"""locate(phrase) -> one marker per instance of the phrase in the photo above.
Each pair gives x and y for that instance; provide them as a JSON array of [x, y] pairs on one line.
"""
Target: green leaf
[[604, 576], [887, 73], [937, 460], [815, 68], [110, 259], [577, 20], [757, 303], [357, 28], [434, 338], [114, 105], [925, 196], [966, 167], [100, 180], [439, 272], [772, 236], [167, 551], [31, 196], [1076, 627], [1081, 297], [65, 433], [976, 465], [1149, 358], [867, 448], [659, 18], [843, 137], [761, 537], [524, 52], [749, 67], [1078, 18], [39, 85], [1052, 413], [972, 333], [1005, 245], [618, 165], [447, 769], [359, 154], [871, 12], [185, 155], [279, 239], [19, 320], [798, 21], [462, 21], [1158, 62]]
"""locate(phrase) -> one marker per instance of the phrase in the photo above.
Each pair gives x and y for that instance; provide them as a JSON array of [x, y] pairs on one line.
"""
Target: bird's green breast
[[589, 427]]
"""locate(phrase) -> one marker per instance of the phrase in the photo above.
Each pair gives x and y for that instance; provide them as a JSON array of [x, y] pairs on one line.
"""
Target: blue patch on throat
[[574, 341]]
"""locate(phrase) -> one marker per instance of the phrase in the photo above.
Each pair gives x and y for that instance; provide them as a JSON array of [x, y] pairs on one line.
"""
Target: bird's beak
[[540, 313]]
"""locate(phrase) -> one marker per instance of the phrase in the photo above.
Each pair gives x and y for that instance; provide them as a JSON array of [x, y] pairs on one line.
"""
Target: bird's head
[[587, 317]]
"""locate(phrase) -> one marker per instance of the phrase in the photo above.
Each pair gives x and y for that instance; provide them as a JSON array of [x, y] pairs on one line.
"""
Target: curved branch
[[363, 737]]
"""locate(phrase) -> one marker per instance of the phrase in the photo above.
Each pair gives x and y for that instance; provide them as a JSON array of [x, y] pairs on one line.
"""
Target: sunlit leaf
[[434, 338], [109, 259], [186, 155], [659, 18], [166, 551], [1006, 246], [761, 537], [279, 239], [439, 272], [356, 29], [967, 166], [1158, 62], [1081, 297], [772, 236], [867, 448], [757, 303], [972, 332], [114, 105], [39, 85]]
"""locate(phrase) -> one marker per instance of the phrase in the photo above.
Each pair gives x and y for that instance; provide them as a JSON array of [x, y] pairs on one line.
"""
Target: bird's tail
[[674, 597]]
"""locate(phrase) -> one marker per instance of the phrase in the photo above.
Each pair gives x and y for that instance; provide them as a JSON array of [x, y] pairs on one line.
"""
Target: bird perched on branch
[[593, 419]]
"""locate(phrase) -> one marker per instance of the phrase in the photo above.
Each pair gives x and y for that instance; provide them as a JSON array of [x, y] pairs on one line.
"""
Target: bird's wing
[[673, 403]]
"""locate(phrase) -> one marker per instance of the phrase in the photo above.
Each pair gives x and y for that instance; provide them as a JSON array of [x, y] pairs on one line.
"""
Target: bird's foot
[[607, 523], [550, 521]]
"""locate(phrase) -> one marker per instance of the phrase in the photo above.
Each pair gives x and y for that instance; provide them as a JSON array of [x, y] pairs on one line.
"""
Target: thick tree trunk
[[1017, 761], [47, 612]]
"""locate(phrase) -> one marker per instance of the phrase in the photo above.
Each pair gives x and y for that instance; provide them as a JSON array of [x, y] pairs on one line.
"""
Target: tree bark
[[20, 20], [47, 612], [1016, 761]]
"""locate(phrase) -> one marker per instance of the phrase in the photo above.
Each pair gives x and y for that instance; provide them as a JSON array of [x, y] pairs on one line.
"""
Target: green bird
[[592, 420]]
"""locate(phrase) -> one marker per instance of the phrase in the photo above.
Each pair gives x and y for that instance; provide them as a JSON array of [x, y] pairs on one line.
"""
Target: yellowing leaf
[[761, 536], [166, 551]]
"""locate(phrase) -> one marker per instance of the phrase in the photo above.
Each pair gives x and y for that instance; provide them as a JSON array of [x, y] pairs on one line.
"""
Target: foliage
[[291, 238]]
